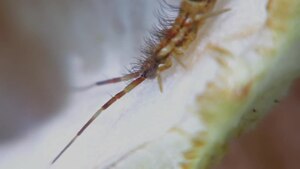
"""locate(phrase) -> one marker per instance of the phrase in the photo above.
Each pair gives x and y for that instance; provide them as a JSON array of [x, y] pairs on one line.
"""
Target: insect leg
[[162, 68], [159, 80], [178, 60], [211, 14]]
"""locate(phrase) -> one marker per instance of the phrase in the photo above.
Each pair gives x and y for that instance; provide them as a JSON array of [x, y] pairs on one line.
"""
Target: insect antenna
[[129, 76], [118, 79], [119, 95]]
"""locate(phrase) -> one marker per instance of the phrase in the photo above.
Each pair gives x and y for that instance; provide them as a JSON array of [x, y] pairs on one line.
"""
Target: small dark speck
[[254, 110], [276, 101]]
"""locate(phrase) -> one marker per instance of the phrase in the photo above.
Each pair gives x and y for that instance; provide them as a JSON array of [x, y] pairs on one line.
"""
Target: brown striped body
[[183, 31]]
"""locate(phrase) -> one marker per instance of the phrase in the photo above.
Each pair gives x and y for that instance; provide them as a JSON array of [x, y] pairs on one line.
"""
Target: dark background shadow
[[32, 82], [274, 144]]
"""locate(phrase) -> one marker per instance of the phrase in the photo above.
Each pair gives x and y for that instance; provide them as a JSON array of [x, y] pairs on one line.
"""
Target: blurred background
[[49, 48]]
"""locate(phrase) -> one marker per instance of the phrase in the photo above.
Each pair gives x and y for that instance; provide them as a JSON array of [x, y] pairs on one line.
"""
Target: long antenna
[[118, 79], [119, 95]]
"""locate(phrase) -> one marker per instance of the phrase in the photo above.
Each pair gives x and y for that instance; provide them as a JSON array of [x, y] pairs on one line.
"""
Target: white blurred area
[[48, 49]]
